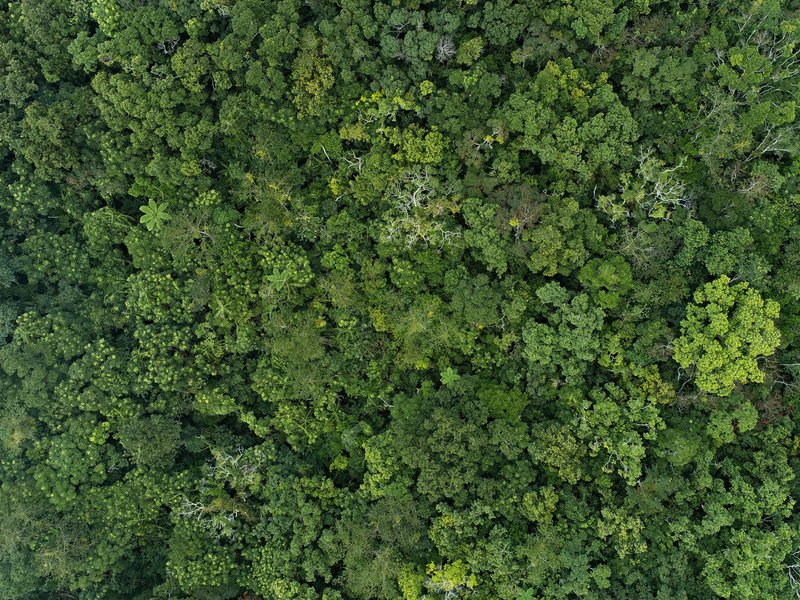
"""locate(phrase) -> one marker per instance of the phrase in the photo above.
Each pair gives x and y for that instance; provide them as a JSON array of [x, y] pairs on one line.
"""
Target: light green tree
[[725, 331], [154, 215], [449, 376]]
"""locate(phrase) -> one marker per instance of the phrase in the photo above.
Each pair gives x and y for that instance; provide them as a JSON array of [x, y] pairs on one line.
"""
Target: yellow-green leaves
[[539, 506], [313, 77], [108, 15], [725, 332], [469, 51], [418, 146], [453, 580]]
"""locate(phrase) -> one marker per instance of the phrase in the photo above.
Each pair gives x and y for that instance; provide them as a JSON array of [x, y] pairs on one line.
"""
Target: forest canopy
[[399, 299]]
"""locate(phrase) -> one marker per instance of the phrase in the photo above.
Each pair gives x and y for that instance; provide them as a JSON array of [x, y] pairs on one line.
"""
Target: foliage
[[726, 331], [439, 300], [154, 215], [449, 376]]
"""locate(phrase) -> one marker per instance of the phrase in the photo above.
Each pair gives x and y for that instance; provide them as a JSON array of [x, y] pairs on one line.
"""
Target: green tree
[[449, 376], [569, 343], [726, 330], [155, 215], [151, 442], [607, 280], [576, 127]]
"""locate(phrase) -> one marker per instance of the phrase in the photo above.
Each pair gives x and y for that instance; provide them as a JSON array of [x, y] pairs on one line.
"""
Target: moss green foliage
[[399, 300]]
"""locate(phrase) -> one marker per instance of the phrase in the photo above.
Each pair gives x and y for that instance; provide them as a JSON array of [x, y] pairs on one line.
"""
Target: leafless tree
[[445, 49], [168, 46]]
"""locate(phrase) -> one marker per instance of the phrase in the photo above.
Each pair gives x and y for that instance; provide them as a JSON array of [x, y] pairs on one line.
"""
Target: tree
[[449, 376], [607, 280], [407, 330], [152, 442], [154, 215], [578, 128], [570, 342], [726, 331]]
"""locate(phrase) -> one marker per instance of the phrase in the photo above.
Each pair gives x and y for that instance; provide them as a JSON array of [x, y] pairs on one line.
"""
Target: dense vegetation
[[342, 300]]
